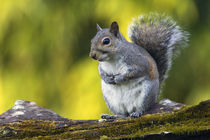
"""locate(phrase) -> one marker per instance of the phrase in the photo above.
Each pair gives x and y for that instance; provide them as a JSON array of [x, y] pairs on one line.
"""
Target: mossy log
[[166, 120]]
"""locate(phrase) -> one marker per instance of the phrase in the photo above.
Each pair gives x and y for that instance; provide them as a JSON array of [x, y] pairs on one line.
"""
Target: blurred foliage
[[44, 47]]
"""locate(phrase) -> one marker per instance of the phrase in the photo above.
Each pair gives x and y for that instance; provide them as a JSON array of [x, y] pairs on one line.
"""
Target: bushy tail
[[160, 36]]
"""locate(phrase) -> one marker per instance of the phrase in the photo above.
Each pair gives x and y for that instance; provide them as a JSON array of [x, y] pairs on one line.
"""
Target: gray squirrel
[[132, 73]]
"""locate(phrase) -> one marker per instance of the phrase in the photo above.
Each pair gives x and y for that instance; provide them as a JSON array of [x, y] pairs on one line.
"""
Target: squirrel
[[132, 73]]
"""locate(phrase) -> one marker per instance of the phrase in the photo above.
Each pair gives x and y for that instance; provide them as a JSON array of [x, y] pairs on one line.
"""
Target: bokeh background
[[44, 47]]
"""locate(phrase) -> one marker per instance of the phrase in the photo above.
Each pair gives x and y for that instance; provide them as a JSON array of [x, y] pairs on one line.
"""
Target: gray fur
[[124, 93], [130, 75], [160, 36]]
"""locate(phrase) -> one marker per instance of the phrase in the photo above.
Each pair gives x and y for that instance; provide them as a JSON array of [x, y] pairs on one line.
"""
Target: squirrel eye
[[106, 41]]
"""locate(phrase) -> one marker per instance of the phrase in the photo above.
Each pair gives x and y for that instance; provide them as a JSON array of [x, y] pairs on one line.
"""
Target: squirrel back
[[160, 36]]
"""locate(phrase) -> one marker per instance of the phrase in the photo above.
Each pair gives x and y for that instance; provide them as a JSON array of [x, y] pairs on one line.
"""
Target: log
[[165, 120]]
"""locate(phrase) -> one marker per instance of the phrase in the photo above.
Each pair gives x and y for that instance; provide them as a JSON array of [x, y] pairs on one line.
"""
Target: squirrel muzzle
[[93, 54]]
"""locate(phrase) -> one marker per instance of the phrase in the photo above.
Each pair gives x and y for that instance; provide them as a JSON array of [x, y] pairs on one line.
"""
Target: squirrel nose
[[93, 55]]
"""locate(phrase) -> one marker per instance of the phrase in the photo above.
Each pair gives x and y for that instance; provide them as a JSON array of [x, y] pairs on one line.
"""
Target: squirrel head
[[105, 43]]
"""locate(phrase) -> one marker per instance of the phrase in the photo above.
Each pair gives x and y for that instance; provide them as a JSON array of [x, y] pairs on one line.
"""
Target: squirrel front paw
[[119, 79], [109, 79]]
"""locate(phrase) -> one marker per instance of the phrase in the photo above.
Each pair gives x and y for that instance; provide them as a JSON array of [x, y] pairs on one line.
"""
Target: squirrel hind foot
[[107, 116], [136, 115]]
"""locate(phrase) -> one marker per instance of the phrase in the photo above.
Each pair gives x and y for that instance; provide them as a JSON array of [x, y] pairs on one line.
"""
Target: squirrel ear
[[114, 28], [98, 27]]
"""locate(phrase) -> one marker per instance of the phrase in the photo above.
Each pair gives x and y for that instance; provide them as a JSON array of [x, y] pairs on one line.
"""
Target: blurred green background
[[44, 48]]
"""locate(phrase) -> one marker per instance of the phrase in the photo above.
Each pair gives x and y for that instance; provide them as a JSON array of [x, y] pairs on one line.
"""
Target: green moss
[[187, 120]]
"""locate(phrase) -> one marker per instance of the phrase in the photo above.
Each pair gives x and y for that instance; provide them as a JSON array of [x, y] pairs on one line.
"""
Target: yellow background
[[44, 47]]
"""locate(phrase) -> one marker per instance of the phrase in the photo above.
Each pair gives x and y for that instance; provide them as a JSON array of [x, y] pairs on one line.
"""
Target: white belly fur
[[125, 98]]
